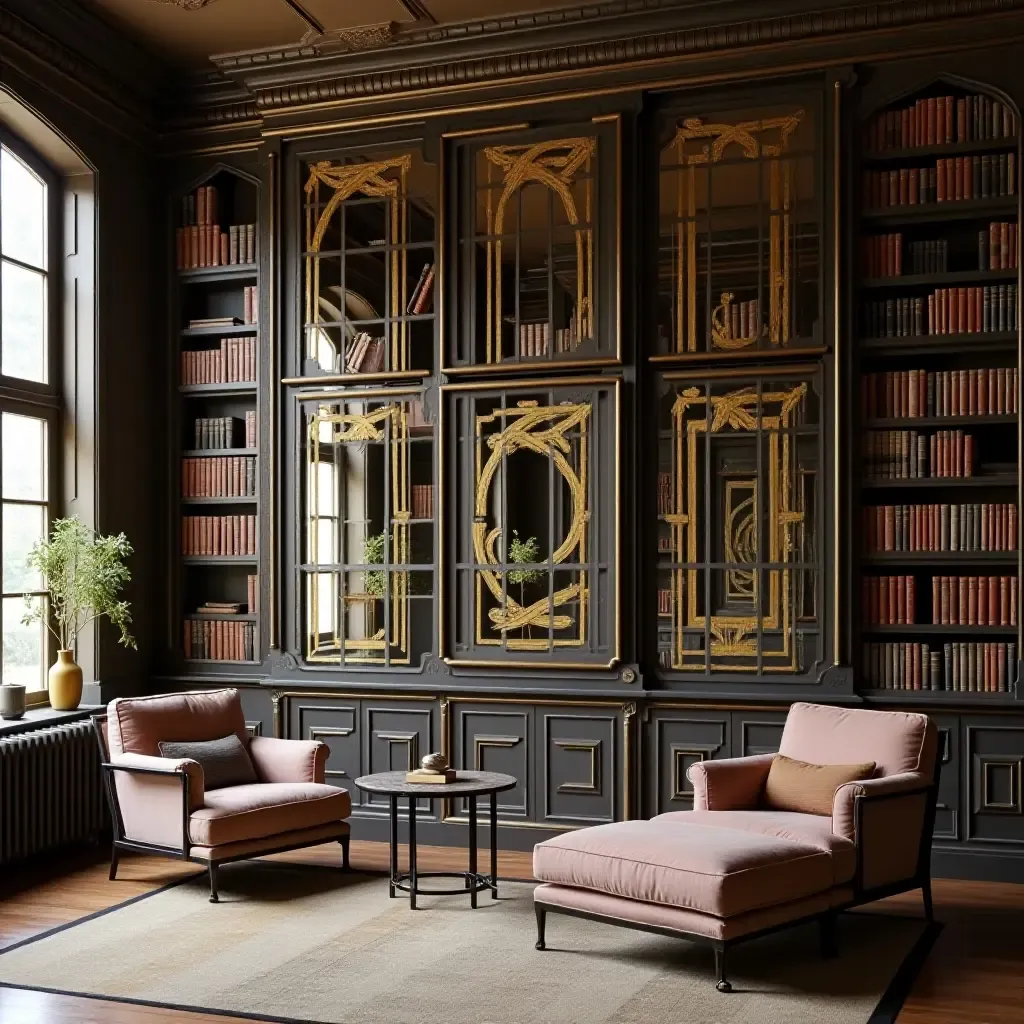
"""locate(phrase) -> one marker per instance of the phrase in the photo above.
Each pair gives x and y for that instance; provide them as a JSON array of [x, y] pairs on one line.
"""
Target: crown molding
[[327, 72]]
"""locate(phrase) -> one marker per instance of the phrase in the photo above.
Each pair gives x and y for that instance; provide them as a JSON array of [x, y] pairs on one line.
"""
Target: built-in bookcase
[[215, 433], [937, 282]]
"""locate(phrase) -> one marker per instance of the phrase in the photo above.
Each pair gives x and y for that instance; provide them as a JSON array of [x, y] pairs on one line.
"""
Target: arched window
[[28, 398]]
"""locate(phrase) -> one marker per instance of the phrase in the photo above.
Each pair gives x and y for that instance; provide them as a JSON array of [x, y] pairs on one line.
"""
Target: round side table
[[471, 784]]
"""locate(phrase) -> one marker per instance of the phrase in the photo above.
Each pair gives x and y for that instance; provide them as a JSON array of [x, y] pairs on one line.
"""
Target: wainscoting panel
[[582, 765], [676, 739], [395, 738], [337, 725], [756, 732], [994, 758], [495, 738], [948, 809]]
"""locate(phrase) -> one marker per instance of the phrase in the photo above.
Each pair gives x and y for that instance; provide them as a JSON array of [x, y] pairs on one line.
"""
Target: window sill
[[40, 717]]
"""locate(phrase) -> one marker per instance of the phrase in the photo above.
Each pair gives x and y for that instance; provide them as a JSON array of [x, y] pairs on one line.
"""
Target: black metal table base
[[473, 881]]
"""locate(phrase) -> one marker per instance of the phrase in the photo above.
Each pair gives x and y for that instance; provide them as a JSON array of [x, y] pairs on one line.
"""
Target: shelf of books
[[938, 418], [216, 436]]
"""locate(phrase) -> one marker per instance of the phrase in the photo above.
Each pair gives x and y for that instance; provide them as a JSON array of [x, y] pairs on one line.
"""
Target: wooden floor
[[975, 974]]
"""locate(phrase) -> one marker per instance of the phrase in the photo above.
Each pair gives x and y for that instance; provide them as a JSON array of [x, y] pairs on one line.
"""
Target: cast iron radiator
[[51, 789]]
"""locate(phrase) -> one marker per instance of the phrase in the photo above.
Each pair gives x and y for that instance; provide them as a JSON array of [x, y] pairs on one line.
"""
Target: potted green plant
[[523, 552], [84, 574]]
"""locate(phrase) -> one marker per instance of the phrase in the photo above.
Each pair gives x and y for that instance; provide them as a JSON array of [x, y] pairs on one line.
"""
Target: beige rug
[[316, 945]]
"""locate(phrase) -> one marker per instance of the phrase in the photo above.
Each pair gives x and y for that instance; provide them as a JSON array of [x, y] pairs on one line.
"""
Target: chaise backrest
[[137, 725], [896, 741]]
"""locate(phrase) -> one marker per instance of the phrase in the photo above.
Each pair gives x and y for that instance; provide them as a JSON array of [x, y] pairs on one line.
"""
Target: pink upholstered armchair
[[164, 804], [880, 831]]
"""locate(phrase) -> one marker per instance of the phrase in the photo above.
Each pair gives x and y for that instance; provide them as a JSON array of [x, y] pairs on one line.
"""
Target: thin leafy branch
[[85, 575]]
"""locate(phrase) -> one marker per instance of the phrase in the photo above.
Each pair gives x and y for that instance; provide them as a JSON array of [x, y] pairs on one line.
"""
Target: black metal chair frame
[[827, 920], [121, 842]]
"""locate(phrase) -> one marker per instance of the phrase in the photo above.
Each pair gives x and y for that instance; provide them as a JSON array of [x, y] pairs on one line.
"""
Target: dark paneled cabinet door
[[757, 732], [334, 721], [993, 755], [948, 812], [676, 739], [396, 735], [581, 781]]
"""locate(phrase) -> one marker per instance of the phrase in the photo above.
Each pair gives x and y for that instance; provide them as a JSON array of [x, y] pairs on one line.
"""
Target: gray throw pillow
[[225, 762]]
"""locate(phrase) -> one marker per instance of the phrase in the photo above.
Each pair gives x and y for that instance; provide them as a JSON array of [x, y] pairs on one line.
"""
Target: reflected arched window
[[28, 401]]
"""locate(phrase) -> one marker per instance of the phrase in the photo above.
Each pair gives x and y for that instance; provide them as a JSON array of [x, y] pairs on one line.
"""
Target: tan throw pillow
[[799, 786]]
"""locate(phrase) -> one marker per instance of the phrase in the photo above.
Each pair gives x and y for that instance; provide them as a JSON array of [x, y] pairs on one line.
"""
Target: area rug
[[317, 945]]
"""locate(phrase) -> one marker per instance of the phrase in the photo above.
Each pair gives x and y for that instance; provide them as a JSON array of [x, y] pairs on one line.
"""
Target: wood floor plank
[[975, 974]]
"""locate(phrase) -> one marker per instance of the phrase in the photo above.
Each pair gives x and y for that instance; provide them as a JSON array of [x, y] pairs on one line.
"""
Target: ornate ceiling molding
[[187, 5], [368, 37], [598, 36]]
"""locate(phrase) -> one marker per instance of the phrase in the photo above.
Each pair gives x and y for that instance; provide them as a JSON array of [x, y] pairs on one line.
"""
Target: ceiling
[[186, 32]]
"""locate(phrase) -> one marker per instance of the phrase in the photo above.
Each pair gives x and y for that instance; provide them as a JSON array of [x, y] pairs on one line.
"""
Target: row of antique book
[[422, 294], [969, 667], [219, 640], [973, 526], [215, 432], [422, 501], [910, 394], [882, 255], [220, 476], [743, 320], [535, 338], [977, 310], [956, 600], [234, 361], [205, 245], [365, 354], [940, 120], [950, 180], [911, 454], [664, 601], [218, 535], [666, 499]]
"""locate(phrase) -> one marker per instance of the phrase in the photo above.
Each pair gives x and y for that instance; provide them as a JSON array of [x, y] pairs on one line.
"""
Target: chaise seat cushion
[[238, 813], [812, 829], [717, 871]]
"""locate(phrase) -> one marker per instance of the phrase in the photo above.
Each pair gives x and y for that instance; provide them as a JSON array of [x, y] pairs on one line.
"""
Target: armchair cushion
[[809, 788], [732, 784], [288, 760], [224, 761], [238, 813], [136, 725]]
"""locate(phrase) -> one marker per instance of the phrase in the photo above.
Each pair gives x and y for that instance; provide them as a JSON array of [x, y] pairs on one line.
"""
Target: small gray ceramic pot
[[12, 701]]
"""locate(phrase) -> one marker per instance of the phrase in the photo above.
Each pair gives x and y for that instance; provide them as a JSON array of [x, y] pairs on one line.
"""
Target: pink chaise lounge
[[730, 870], [162, 805]]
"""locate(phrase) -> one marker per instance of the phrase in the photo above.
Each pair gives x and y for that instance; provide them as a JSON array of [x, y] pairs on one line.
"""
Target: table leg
[[494, 846], [472, 849], [394, 846], [412, 853]]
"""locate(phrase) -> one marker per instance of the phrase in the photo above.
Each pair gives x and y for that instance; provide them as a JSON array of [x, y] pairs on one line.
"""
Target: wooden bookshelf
[[974, 285], [221, 354]]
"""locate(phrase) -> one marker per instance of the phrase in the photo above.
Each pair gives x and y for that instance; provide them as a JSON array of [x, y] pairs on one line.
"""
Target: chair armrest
[[153, 798], [885, 818], [288, 760], [732, 784]]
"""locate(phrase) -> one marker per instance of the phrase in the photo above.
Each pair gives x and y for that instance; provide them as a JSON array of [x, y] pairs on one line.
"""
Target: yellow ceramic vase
[[65, 682]]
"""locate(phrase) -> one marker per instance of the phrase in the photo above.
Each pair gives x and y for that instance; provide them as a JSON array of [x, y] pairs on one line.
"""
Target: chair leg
[[345, 841], [115, 857], [926, 895], [541, 911], [828, 934], [723, 984], [214, 898]]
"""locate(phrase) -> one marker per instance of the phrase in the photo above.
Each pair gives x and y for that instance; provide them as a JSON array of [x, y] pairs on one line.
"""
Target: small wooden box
[[426, 778]]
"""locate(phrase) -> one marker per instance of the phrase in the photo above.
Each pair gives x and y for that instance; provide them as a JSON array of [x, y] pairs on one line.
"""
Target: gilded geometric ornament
[[540, 429], [187, 5]]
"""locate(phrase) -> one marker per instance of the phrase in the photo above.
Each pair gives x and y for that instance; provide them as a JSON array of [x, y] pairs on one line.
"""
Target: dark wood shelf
[[217, 661], [935, 344], [231, 272], [220, 501], [223, 617], [941, 558], [985, 480], [894, 696], [932, 629], [220, 559], [235, 330], [940, 280], [193, 453], [994, 420], [238, 387], [958, 209], [941, 149]]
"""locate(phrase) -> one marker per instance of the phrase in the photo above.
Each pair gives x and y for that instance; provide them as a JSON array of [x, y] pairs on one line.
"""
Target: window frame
[[33, 398]]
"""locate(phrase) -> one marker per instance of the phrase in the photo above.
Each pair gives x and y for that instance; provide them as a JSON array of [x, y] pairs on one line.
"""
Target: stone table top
[[466, 784]]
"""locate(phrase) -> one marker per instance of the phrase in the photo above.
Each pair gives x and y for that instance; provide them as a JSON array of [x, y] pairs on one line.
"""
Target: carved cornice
[[188, 5], [590, 38]]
